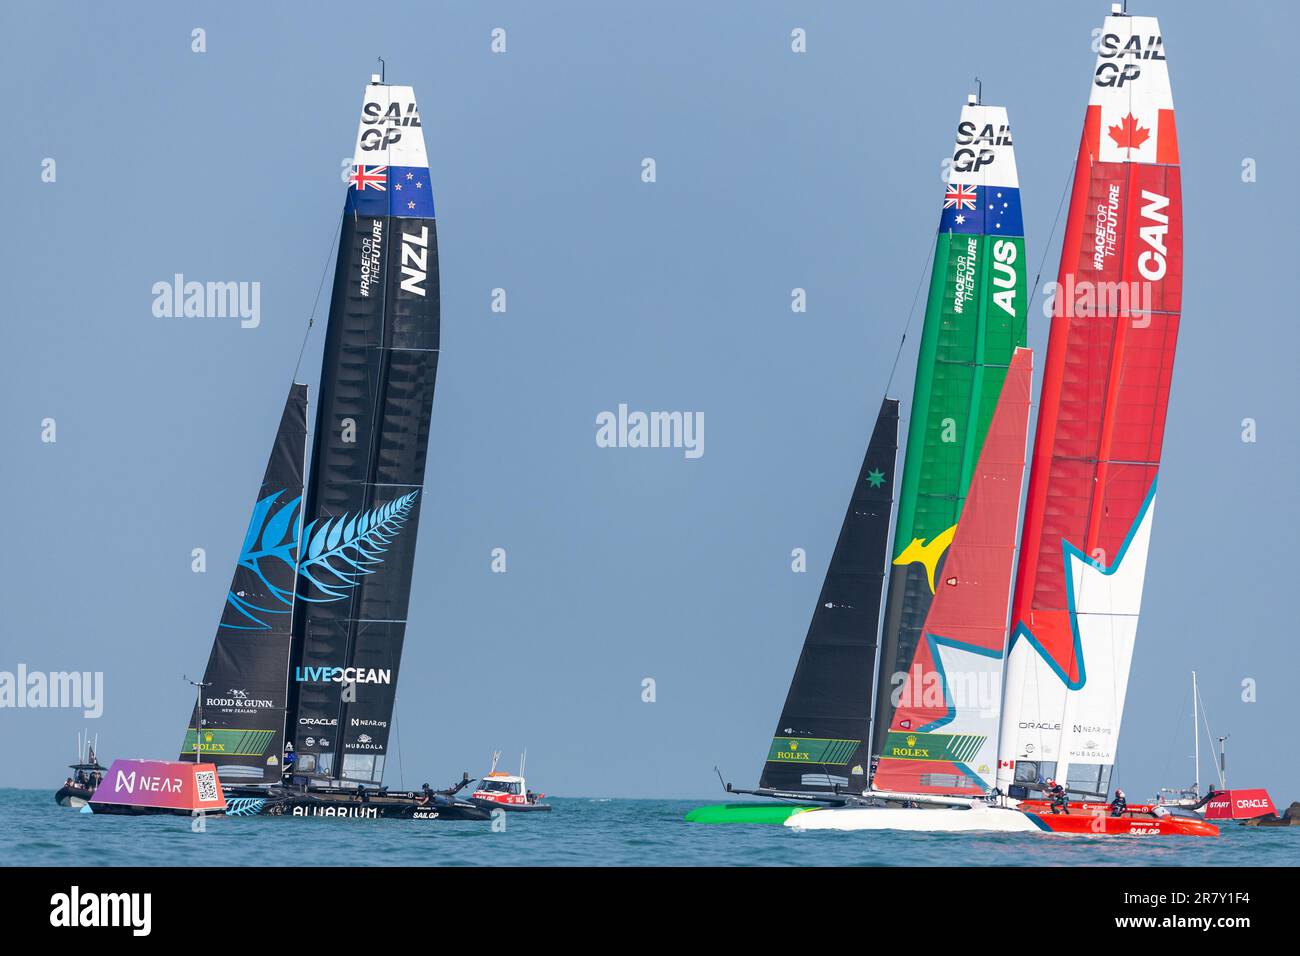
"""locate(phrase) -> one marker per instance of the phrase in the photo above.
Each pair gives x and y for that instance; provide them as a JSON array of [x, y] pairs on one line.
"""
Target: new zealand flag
[[390, 191], [409, 192]]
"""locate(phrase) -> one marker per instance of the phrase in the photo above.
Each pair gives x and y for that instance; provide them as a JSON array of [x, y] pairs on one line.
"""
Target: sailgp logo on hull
[[343, 675], [651, 430]]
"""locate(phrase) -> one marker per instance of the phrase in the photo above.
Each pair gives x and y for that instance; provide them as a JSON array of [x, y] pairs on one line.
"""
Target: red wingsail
[[943, 738]]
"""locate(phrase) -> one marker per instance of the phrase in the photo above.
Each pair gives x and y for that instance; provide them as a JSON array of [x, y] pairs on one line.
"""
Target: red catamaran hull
[[1095, 818], [1101, 825]]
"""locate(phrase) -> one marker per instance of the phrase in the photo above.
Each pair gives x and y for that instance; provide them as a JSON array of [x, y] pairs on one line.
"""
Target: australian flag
[[981, 210], [390, 191]]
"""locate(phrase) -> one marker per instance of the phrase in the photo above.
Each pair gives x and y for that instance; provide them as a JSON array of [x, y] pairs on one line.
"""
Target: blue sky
[[774, 171]]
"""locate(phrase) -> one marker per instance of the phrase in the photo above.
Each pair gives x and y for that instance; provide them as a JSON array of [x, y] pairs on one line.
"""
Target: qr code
[[207, 783]]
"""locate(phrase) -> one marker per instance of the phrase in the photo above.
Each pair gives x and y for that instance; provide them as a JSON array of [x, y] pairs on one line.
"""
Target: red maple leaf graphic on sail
[[1128, 134]]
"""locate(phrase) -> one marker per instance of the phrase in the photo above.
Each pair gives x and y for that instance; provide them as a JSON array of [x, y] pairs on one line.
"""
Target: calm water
[[580, 832]]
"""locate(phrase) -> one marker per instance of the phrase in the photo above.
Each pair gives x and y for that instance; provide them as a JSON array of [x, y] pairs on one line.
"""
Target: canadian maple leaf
[[1128, 134]]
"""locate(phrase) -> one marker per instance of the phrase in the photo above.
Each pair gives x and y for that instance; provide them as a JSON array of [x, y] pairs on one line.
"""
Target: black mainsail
[[821, 744], [244, 691], [364, 494]]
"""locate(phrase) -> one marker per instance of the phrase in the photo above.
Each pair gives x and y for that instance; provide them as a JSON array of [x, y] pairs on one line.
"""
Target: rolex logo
[[911, 740], [794, 745]]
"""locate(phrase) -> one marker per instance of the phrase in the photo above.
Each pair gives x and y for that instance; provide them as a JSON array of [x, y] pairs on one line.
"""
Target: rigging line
[[401, 771], [1209, 737], [1177, 729], [1050, 237], [311, 319], [1033, 292], [911, 313]]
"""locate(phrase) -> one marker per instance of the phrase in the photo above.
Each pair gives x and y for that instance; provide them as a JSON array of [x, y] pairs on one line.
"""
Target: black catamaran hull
[[400, 806]]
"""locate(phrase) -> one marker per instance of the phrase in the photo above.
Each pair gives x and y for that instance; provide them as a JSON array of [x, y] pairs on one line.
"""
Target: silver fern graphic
[[244, 806], [270, 542], [339, 551]]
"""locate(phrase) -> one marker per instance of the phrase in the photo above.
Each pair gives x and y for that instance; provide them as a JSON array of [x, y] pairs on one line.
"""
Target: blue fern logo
[[341, 551], [271, 540], [244, 806]]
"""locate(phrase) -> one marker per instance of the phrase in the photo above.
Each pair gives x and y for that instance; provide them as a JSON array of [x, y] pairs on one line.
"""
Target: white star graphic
[[410, 175], [397, 185], [959, 219], [410, 205]]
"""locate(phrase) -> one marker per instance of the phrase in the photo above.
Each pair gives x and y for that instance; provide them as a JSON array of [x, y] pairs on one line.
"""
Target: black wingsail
[[372, 429], [821, 741], [244, 693]]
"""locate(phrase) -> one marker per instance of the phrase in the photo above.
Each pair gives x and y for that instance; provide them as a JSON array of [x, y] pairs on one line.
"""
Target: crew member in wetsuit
[[425, 797], [1119, 804], [1056, 793]]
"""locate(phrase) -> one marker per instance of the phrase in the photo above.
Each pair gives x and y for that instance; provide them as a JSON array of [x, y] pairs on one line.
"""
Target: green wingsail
[[975, 318]]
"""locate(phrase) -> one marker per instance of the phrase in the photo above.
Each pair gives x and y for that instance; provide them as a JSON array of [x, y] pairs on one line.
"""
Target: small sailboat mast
[[1196, 734]]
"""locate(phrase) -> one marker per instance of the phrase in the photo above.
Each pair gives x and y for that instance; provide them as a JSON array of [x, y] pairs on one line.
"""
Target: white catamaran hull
[[939, 820]]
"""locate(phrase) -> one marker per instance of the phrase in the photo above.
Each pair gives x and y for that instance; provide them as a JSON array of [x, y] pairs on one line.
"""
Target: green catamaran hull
[[770, 813]]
